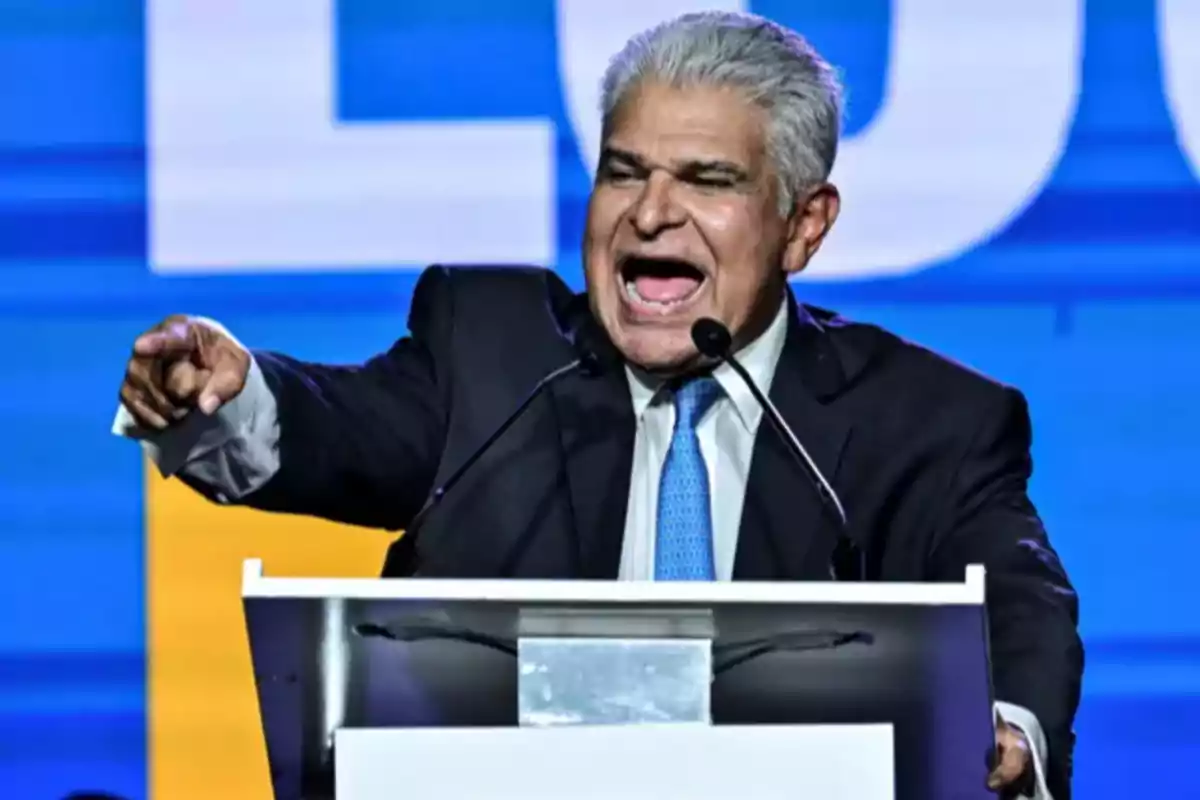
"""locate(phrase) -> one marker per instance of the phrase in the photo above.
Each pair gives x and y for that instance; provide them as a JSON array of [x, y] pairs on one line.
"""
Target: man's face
[[684, 223]]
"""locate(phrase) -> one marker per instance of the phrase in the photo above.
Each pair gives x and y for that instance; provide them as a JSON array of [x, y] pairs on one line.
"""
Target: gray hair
[[775, 67]]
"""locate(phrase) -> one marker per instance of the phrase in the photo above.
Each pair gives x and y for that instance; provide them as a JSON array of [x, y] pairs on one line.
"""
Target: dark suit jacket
[[930, 459]]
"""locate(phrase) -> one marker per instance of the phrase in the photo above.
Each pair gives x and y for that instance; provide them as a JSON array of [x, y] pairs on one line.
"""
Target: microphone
[[713, 340], [594, 355]]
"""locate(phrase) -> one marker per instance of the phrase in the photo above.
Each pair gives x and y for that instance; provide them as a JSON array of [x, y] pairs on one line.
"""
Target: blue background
[[1089, 301]]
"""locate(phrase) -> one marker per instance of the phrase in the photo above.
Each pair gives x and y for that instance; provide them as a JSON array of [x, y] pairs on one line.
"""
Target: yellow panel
[[204, 737]]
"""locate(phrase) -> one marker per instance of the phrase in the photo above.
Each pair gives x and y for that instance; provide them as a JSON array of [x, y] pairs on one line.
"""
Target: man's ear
[[811, 221]]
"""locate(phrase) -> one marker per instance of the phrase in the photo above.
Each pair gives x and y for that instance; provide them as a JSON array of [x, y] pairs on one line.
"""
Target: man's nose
[[657, 209]]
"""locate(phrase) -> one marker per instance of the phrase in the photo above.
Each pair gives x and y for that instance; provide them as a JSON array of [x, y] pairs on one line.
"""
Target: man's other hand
[[181, 364], [1012, 775]]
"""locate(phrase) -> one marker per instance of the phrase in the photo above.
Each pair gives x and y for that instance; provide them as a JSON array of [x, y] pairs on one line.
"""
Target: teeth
[[632, 293]]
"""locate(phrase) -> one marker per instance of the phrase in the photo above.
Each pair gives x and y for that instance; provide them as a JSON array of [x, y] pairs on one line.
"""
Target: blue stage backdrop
[[1020, 190]]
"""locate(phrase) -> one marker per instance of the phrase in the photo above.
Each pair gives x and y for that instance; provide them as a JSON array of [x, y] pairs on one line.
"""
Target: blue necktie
[[684, 550]]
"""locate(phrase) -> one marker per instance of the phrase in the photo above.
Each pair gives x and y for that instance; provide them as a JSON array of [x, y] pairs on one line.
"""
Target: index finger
[[173, 340]]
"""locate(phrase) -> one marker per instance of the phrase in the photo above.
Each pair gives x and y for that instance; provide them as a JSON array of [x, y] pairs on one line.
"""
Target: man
[[720, 132]]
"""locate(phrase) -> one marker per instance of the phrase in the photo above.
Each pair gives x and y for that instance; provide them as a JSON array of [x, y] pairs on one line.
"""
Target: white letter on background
[[250, 171], [979, 99], [1179, 45]]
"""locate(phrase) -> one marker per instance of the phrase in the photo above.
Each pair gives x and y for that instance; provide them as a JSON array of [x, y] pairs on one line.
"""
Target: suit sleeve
[[361, 444], [1033, 611]]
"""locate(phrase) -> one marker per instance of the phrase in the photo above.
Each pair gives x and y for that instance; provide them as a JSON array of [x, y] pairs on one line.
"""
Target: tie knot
[[693, 398]]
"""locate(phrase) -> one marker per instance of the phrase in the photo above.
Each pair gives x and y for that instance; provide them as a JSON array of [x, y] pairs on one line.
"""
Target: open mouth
[[660, 285]]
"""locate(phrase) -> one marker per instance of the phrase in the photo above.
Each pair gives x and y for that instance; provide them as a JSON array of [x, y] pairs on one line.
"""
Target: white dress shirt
[[726, 433], [236, 451]]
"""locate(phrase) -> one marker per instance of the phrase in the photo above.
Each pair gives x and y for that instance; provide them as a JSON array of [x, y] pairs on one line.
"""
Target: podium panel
[[331, 657], [617, 762]]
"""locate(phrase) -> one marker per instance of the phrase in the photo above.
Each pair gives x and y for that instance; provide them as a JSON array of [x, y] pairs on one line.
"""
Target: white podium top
[[969, 592]]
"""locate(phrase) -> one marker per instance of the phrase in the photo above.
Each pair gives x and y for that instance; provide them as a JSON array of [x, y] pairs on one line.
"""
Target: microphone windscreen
[[711, 338]]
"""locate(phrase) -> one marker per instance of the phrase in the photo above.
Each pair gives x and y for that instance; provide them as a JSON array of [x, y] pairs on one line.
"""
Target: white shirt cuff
[[1027, 723]]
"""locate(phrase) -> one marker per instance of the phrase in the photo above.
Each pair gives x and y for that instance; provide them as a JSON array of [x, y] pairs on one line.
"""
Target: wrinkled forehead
[[667, 124]]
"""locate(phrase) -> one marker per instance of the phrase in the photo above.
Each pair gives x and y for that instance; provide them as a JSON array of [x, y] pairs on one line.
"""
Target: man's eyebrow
[[616, 154], [685, 168], [728, 168]]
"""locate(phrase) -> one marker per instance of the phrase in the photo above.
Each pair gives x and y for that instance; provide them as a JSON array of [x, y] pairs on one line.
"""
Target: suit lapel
[[784, 533], [597, 428]]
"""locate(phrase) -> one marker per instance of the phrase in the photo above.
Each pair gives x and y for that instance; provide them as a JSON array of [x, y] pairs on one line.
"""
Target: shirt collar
[[760, 358]]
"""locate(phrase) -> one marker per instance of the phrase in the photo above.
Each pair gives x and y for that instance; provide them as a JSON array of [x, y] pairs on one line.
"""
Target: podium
[[482, 689]]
